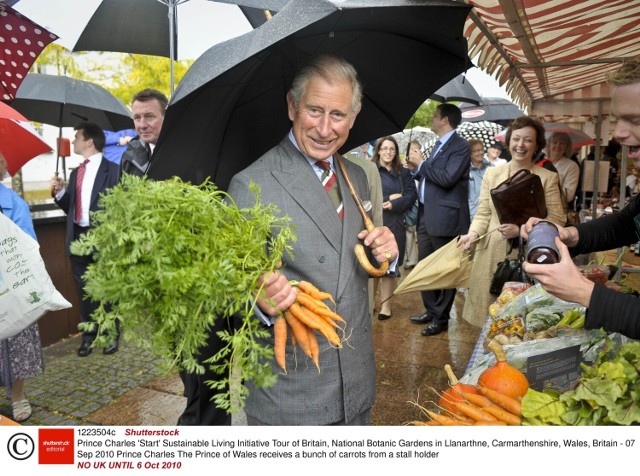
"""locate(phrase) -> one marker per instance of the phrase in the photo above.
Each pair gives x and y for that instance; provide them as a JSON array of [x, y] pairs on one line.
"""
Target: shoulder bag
[[519, 197]]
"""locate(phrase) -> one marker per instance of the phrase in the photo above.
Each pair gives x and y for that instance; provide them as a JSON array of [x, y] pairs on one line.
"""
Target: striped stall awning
[[553, 56]]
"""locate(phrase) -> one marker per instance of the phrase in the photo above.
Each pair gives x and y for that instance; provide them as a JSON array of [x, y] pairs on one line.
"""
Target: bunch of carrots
[[306, 316], [464, 404]]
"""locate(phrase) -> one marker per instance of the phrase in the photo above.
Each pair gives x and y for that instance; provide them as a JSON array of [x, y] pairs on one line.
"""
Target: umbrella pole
[[172, 31], [384, 266]]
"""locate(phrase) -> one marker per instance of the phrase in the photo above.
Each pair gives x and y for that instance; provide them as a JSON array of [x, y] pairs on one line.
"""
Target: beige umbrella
[[447, 267]]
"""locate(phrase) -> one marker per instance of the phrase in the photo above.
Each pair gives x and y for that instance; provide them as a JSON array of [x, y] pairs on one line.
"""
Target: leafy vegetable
[[172, 259], [608, 393]]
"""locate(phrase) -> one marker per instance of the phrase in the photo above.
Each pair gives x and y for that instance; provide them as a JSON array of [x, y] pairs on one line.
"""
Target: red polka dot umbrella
[[21, 41]]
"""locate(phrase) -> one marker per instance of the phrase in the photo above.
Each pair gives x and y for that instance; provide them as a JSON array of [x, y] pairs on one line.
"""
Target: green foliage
[[171, 259], [424, 114], [608, 393]]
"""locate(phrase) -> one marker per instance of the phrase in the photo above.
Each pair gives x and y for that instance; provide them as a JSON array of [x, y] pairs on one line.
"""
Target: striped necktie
[[330, 183], [79, 179]]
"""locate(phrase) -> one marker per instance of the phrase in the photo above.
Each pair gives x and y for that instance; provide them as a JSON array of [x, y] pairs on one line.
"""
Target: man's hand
[[56, 184], [277, 295], [382, 243], [562, 279]]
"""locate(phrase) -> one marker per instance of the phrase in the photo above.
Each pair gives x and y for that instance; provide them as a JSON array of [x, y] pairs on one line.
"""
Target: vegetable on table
[[455, 392], [502, 377], [173, 261]]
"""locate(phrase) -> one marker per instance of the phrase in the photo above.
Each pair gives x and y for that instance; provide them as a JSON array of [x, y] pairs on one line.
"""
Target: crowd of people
[[301, 176]]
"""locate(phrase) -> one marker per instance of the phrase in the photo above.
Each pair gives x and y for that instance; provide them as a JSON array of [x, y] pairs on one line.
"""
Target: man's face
[[147, 119], [323, 118], [625, 105], [438, 123], [81, 145]]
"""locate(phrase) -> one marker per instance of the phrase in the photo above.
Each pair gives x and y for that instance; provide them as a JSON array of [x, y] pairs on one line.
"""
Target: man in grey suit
[[322, 104], [444, 207]]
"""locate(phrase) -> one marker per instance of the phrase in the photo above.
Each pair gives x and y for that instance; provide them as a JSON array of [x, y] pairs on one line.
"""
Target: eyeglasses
[[387, 149]]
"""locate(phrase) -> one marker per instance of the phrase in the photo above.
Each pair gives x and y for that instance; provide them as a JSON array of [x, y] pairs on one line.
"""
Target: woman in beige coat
[[525, 139]]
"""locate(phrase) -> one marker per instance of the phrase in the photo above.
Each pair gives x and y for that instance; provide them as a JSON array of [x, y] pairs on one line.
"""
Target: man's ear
[[291, 107]]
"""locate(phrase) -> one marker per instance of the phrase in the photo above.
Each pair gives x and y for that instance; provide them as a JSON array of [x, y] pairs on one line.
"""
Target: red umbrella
[[19, 142], [21, 42]]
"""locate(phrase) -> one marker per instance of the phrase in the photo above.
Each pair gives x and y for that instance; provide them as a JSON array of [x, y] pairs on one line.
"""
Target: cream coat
[[492, 249]]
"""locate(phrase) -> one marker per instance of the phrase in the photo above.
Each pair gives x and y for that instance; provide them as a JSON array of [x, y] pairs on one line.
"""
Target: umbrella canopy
[[22, 41], [19, 142], [486, 131], [421, 134], [231, 107], [448, 267], [458, 89], [64, 102], [498, 110]]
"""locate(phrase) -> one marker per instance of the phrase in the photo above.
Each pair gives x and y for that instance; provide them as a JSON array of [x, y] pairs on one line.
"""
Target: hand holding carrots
[[306, 317]]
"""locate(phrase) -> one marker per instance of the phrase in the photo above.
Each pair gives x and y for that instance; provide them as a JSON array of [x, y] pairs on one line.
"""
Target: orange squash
[[453, 394], [502, 377]]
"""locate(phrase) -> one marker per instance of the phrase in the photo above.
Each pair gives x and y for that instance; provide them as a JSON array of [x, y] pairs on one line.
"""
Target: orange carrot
[[476, 413], [311, 290], [445, 420], [424, 423], [280, 341], [299, 331], [508, 403], [318, 307], [490, 423], [478, 400], [315, 348], [315, 322], [502, 415]]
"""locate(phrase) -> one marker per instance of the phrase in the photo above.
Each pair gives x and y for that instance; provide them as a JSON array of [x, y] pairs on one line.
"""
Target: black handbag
[[509, 270]]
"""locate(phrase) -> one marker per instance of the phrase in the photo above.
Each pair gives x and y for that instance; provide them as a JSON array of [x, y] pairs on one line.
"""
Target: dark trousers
[[437, 303], [79, 266], [200, 408]]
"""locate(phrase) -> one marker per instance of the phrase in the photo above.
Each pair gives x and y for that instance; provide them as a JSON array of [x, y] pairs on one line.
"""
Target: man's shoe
[[421, 319], [111, 348], [434, 328], [84, 349]]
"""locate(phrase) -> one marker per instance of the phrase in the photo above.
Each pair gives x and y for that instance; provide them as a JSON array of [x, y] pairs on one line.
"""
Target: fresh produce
[[172, 260], [607, 393], [464, 404], [307, 314], [502, 377], [454, 393]]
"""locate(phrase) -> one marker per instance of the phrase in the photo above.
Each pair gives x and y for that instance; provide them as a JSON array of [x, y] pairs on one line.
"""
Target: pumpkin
[[502, 377], [454, 393]]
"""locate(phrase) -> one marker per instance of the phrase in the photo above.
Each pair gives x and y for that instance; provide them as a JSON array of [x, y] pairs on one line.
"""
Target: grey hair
[[331, 69]]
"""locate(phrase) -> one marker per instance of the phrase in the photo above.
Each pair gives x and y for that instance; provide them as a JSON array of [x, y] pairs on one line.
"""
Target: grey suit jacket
[[323, 255]]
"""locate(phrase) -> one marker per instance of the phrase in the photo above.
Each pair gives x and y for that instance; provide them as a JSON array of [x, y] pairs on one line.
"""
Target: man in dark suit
[[444, 207], [95, 175]]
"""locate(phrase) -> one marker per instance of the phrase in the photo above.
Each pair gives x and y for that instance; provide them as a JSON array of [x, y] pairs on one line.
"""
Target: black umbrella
[[498, 110], [64, 102], [230, 107], [458, 89]]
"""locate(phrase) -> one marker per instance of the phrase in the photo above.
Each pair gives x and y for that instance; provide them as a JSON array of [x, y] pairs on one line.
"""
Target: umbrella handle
[[359, 249]]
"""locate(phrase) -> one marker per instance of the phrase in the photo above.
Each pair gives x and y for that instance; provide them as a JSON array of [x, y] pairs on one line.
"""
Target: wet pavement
[[127, 388]]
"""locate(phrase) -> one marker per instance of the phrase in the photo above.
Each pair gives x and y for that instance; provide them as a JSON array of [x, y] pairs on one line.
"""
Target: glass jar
[[541, 247]]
